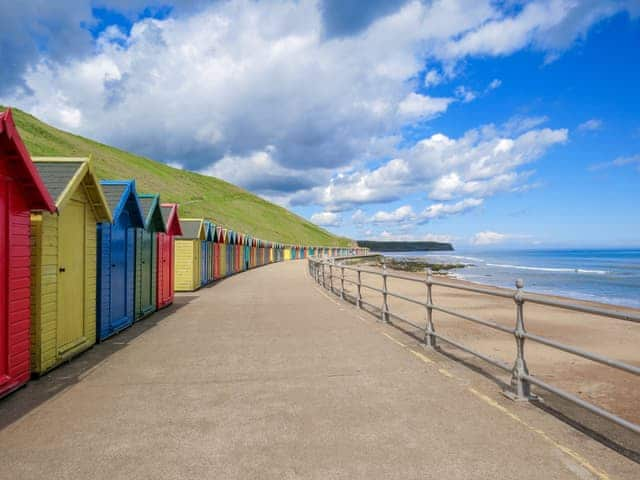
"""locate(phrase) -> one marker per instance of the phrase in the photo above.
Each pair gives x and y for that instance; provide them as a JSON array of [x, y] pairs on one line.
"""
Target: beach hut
[[146, 270], [205, 257], [21, 190], [216, 252], [223, 252], [117, 258], [166, 253], [239, 252], [229, 252], [212, 250], [188, 253], [246, 248], [63, 261], [252, 252], [230, 238]]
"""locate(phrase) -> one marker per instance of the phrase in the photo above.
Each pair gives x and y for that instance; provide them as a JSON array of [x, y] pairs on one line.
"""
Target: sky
[[489, 124]]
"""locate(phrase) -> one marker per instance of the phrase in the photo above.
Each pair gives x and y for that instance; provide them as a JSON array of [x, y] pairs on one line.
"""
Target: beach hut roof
[[121, 195], [208, 230], [151, 211], [192, 229], [63, 175], [23, 170], [170, 218]]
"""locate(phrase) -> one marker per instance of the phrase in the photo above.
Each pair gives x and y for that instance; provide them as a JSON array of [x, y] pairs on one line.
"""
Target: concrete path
[[263, 376]]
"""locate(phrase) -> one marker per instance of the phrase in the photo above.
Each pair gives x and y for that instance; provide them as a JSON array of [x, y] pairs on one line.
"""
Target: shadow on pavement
[[19, 403], [600, 429]]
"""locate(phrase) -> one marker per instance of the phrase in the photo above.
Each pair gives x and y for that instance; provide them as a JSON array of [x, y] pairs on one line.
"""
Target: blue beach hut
[[117, 258]]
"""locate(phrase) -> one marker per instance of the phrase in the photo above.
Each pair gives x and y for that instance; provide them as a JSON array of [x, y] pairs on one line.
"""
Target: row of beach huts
[[82, 259]]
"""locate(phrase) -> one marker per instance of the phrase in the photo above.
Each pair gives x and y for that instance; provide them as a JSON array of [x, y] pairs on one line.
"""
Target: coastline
[[610, 277]]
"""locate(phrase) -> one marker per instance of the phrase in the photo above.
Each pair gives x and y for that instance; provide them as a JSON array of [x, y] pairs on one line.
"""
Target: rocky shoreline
[[411, 264]]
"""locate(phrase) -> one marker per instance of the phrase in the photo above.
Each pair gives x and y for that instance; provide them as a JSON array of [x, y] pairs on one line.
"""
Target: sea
[[608, 275]]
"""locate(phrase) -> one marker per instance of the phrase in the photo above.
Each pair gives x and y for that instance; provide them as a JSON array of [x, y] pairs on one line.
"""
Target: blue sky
[[489, 124]]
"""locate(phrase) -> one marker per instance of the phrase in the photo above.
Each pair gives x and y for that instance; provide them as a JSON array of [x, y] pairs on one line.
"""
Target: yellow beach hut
[[63, 262], [188, 254]]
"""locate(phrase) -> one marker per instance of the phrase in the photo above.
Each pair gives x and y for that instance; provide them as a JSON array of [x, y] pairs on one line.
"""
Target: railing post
[[324, 277], [342, 282], [331, 275], [385, 303], [429, 334], [359, 298], [520, 388]]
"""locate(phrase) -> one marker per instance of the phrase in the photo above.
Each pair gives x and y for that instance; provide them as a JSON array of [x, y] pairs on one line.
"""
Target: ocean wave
[[549, 269]]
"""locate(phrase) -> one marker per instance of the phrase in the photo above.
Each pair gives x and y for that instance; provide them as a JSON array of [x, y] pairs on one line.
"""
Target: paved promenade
[[263, 376]]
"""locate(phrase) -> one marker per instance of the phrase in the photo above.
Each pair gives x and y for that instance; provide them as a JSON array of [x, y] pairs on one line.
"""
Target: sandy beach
[[607, 387]]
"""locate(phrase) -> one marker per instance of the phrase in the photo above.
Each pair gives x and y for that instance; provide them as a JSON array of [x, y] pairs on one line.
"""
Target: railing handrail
[[521, 379]]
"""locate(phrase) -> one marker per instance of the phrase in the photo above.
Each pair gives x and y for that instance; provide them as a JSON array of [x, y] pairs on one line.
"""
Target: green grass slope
[[198, 195]]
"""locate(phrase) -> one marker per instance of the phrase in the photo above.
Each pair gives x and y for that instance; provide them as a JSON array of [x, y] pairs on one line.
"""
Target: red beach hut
[[21, 190], [166, 252]]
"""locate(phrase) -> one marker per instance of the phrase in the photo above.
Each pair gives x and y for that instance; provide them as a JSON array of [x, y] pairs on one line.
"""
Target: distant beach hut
[[188, 255], [223, 252], [229, 252], [216, 252], [252, 252], [239, 252], [205, 258], [117, 258], [147, 255], [246, 248], [63, 260], [166, 253], [212, 251], [21, 190]]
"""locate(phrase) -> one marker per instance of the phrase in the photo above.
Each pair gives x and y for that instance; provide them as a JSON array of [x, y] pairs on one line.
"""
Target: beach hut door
[[162, 267], [4, 247], [71, 271], [146, 302], [118, 313]]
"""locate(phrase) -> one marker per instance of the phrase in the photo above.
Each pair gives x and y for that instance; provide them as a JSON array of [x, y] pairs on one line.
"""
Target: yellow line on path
[[394, 340], [602, 475], [421, 356]]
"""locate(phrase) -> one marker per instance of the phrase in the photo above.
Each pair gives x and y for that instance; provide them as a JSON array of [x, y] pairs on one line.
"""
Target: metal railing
[[323, 271]]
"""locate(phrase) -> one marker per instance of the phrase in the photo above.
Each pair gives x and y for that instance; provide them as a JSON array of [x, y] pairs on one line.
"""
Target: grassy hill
[[198, 195]]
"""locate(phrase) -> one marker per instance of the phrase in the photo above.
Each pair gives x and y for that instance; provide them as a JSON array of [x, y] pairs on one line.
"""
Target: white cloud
[[326, 219], [400, 214], [488, 238], [439, 210], [492, 238], [590, 125], [465, 94], [386, 235], [432, 78], [422, 106], [480, 163], [359, 217], [495, 83], [225, 89], [633, 160]]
